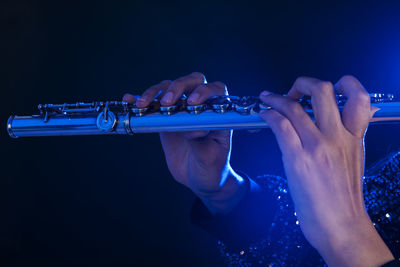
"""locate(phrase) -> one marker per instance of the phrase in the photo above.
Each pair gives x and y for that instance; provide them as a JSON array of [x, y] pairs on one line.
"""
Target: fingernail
[[168, 97], [193, 98], [266, 93]]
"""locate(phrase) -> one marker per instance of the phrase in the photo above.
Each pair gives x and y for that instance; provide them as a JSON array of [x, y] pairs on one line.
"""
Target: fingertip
[[167, 98], [126, 95], [265, 93], [129, 98], [141, 102], [193, 98]]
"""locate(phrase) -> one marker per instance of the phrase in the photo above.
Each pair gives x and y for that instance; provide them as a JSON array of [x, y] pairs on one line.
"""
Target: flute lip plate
[[9, 127]]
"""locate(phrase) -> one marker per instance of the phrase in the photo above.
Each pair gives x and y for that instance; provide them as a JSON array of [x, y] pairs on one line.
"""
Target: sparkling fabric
[[285, 244]]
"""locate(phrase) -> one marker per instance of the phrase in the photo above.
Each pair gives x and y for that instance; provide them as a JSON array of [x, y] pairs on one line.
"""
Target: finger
[[129, 98], [294, 112], [356, 112], [148, 96], [182, 85], [285, 134], [323, 101], [174, 139], [198, 96], [205, 91], [194, 134]]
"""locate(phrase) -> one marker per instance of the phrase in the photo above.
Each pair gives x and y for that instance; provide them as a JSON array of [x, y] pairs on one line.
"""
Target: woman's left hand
[[324, 164]]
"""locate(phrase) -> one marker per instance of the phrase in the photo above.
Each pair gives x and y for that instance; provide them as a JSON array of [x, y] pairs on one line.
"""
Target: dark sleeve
[[247, 223], [394, 263]]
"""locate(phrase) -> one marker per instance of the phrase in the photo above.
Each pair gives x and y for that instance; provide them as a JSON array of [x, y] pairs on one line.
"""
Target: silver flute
[[119, 117]]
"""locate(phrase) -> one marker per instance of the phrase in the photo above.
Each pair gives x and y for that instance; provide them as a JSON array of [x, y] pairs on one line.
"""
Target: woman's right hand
[[198, 159], [324, 164]]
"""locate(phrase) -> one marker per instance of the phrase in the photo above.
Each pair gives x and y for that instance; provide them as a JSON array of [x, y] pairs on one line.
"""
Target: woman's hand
[[324, 164], [198, 160]]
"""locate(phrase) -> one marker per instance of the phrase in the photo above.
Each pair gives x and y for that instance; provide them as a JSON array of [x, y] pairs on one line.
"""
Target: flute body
[[114, 117]]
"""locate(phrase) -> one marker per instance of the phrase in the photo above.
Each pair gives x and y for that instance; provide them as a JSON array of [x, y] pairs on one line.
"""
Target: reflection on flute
[[115, 117]]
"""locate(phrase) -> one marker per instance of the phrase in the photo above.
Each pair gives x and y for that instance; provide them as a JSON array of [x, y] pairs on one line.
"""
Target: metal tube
[[122, 121], [60, 125], [208, 120]]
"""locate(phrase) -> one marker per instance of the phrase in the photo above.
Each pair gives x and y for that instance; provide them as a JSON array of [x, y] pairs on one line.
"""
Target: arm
[[324, 164], [198, 160]]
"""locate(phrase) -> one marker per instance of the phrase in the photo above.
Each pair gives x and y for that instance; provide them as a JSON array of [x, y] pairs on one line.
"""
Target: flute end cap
[[9, 127]]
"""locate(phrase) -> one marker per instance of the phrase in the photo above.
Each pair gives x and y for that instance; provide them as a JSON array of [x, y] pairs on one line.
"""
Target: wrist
[[232, 190], [357, 244]]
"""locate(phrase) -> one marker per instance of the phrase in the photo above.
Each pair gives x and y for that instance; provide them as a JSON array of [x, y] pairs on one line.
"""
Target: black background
[[110, 200]]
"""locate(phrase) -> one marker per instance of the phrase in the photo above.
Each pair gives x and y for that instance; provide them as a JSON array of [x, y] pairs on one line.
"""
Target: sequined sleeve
[[282, 242], [382, 199]]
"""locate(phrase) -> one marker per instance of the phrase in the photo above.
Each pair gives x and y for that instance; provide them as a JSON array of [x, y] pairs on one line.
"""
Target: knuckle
[[149, 93], [165, 82], [198, 75], [363, 97], [325, 86], [176, 84], [300, 80], [220, 87], [283, 124], [294, 108], [349, 79], [203, 88], [220, 84], [146, 93], [319, 148], [358, 90]]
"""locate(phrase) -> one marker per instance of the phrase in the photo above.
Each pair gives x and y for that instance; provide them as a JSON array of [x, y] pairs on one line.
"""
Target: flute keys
[[260, 106], [263, 106], [340, 100], [381, 98], [245, 104], [196, 109], [138, 112], [221, 108], [220, 104], [180, 105], [169, 110]]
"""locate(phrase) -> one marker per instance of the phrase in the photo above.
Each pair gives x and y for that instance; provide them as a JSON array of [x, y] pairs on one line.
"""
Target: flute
[[118, 117]]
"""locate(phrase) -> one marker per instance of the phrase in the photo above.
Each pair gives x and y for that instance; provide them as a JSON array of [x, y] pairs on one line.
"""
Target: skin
[[198, 160], [323, 160]]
